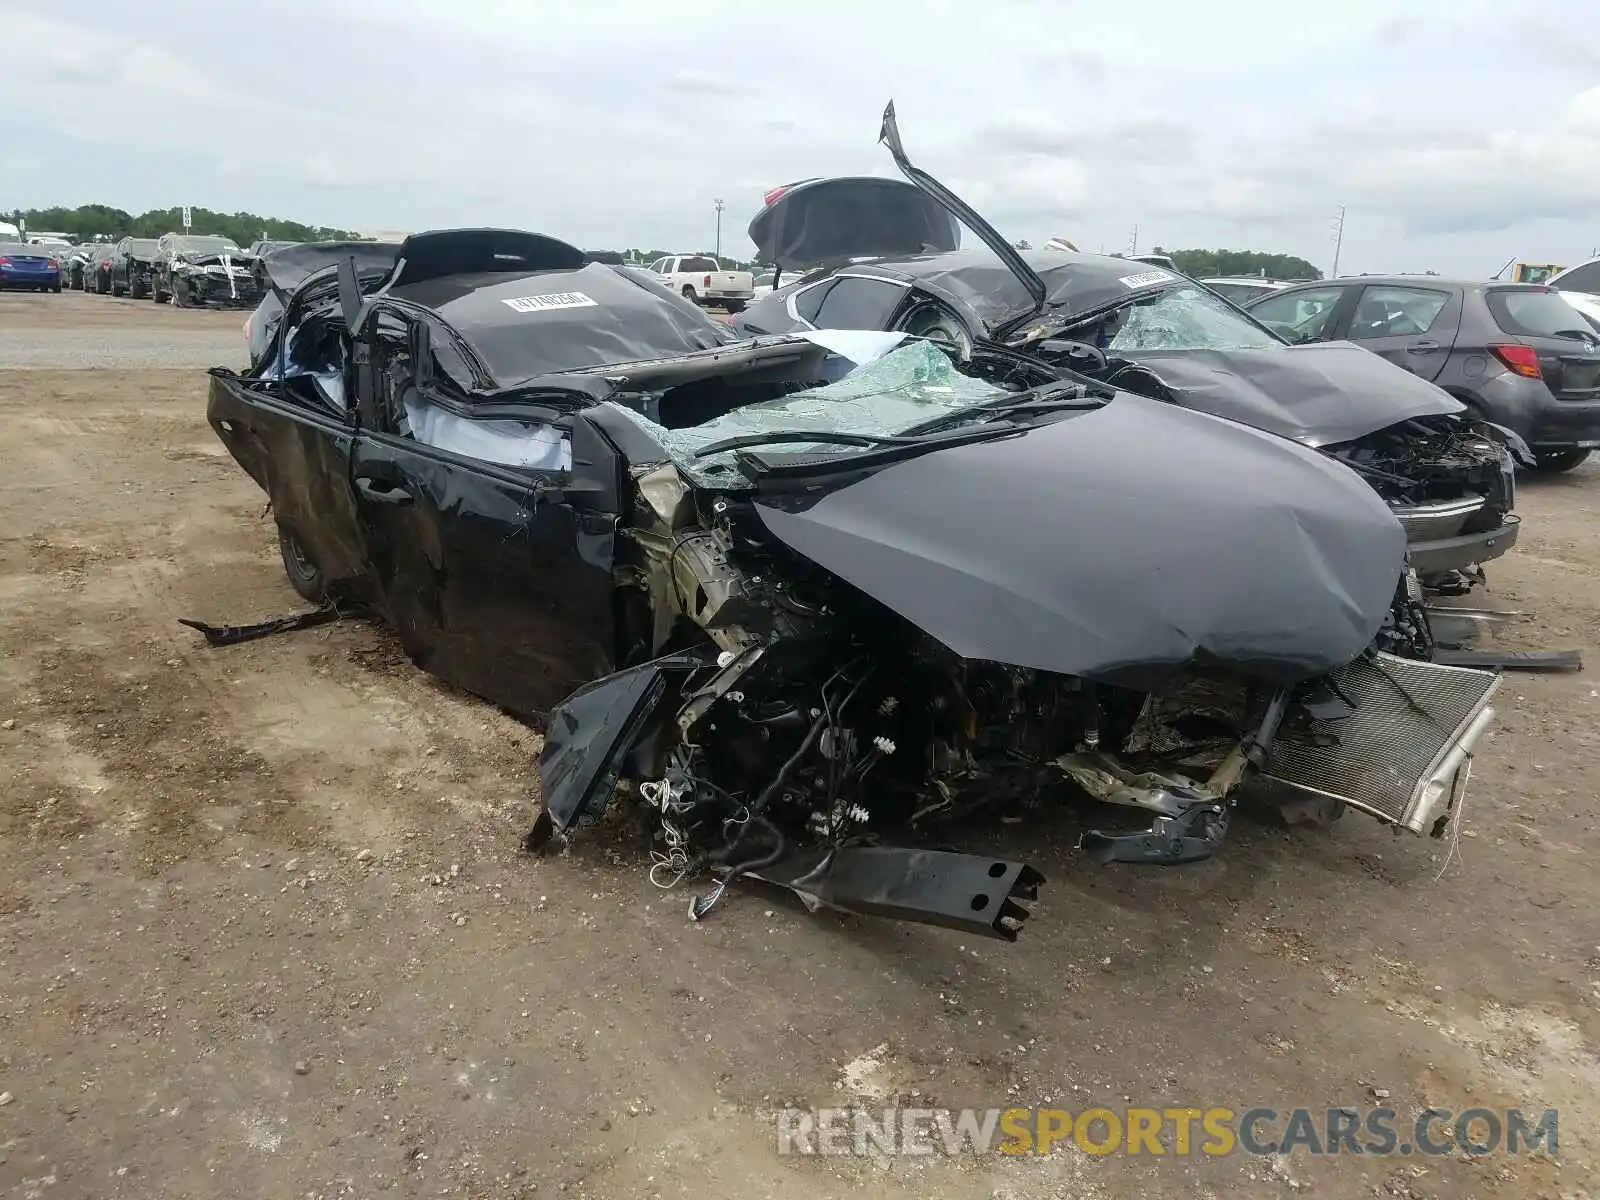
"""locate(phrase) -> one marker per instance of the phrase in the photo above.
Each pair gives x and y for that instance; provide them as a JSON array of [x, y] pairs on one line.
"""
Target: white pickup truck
[[700, 278]]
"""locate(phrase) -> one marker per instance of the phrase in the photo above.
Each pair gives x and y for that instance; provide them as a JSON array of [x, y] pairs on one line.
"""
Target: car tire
[[56, 289], [690, 295], [156, 293], [305, 577], [734, 306], [1554, 462], [117, 290]]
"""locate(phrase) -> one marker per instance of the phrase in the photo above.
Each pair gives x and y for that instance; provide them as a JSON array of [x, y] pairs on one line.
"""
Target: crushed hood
[[1121, 545], [1319, 394]]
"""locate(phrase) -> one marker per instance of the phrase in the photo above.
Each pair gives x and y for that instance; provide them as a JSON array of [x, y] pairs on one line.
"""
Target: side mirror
[[419, 345]]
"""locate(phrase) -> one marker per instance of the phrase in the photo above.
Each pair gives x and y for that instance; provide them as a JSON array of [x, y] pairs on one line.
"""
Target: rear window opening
[[1537, 314]]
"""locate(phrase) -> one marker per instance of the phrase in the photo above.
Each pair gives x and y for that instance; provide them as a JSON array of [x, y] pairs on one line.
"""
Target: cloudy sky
[[1456, 134]]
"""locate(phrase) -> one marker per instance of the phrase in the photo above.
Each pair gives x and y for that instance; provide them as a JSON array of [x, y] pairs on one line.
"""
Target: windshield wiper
[[830, 437], [1052, 398]]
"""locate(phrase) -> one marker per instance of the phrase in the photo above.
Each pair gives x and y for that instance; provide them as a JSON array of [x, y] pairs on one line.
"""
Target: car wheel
[[156, 293], [734, 306], [304, 575], [1556, 461], [689, 294], [56, 289]]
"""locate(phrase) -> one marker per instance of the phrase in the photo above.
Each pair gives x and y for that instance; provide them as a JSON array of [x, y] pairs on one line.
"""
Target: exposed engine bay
[[772, 721]]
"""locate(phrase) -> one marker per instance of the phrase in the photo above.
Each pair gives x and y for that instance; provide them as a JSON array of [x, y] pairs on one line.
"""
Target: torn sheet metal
[[232, 635]]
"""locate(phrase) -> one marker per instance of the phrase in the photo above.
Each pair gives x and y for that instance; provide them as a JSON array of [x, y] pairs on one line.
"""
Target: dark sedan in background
[[1516, 354], [131, 264]]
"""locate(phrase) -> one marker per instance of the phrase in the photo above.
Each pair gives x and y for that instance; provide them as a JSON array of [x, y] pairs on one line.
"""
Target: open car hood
[[1120, 545], [1319, 394]]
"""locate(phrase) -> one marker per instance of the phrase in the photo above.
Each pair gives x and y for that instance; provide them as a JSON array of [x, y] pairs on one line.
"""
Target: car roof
[[1559, 275], [1436, 282], [1074, 282], [526, 324]]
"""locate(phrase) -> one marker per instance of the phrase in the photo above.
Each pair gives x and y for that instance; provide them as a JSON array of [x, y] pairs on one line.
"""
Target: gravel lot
[[264, 930]]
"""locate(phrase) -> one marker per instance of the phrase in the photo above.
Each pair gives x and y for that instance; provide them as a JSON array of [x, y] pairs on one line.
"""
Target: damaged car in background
[[886, 254], [801, 602], [132, 266], [200, 269]]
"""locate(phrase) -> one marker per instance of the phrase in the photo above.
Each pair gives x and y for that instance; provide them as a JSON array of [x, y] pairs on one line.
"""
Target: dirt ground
[[265, 931]]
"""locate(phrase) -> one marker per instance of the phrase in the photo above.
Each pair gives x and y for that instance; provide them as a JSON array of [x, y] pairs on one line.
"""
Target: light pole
[[1338, 240], [717, 204]]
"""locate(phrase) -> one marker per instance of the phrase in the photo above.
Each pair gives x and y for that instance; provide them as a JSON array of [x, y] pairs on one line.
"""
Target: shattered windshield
[[1184, 318], [897, 392]]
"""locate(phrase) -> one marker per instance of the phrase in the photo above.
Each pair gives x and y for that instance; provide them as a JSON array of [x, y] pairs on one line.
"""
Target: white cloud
[[616, 122]]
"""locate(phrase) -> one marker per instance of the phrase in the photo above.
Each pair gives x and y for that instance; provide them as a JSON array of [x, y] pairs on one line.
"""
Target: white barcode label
[[531, 304]]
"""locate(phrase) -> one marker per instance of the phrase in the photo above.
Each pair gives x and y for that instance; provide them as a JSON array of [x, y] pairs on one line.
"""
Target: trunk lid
[[831, 221], [827, 221]]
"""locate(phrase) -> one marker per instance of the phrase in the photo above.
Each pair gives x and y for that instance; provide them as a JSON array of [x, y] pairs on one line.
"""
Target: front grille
[[1397, 755], [1433, 522]]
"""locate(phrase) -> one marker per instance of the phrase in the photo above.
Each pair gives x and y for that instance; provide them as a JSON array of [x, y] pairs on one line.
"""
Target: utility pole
[[1338, 241], [1133, 243], [717, 204]]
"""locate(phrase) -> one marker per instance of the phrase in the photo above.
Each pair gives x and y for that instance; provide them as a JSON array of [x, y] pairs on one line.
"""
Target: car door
[[1413, 327], [1309, 314], [295, 440], [479, 562]]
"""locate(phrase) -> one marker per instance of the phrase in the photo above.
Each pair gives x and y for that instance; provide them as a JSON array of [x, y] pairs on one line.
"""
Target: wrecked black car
[[797, 596], [202, 270], [885, 254], [132, 266]]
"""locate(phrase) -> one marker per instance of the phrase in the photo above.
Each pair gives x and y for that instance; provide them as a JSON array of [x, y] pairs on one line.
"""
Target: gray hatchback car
[[1516, 354]]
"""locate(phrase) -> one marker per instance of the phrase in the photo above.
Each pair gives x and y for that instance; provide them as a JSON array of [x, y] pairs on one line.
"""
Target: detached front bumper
[[1401, 750]]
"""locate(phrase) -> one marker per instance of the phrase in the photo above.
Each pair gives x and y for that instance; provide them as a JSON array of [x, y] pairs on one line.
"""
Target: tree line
[[1208, 264], [89, 221]]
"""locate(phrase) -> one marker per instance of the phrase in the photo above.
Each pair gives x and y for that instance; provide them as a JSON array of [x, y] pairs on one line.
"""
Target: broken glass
[[898, 391], [1186, 318]]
